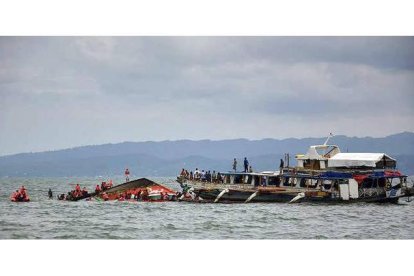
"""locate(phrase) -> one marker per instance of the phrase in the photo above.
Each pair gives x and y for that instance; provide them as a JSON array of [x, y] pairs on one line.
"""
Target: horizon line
[[200, 140]]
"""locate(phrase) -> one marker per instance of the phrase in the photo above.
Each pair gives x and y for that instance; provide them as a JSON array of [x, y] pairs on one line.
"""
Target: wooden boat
[[70, 196], [324, 174], [324, 187]]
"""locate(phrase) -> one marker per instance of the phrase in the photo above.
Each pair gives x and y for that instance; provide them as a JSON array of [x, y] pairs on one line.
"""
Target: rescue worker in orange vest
[[77, 192], [22, 190], [98, 189], [15, 195], [22, 193]]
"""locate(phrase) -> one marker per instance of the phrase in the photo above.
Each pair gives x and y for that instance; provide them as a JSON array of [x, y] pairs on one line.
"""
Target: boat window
[[315, 165], [375, 183], [396, 181], [311, 164], [275, 181], [312, 183], [386, 163], [327, 184], [381, 182], [293, 181], [326, 151], [256, 181], [238, 179], [367, 183], [330, 151]]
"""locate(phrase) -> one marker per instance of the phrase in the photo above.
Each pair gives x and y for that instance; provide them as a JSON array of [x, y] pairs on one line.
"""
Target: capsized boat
[[323, 174], [141, 189]]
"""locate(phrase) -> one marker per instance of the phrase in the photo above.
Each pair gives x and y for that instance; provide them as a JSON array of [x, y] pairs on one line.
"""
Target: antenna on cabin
[[327, 139]]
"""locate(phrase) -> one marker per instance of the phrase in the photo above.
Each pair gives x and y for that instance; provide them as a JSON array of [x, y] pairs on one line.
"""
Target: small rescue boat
[[19, 197]]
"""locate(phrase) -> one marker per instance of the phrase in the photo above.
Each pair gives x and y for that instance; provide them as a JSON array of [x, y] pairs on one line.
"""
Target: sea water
[[43, 218]]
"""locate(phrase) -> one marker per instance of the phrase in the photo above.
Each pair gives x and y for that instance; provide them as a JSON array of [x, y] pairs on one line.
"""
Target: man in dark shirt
[[246, 165]]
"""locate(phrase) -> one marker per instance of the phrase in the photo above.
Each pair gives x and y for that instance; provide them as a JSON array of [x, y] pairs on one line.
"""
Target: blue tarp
[[341, 175]]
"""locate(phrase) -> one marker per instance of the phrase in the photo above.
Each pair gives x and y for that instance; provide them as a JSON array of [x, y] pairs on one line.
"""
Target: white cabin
[[358, 160], [317, 157], [321, 157]]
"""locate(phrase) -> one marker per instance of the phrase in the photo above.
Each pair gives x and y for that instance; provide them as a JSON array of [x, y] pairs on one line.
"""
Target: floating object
[[141, 189]]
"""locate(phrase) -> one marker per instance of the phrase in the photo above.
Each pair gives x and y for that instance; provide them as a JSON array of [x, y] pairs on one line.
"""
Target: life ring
[[388, 186]]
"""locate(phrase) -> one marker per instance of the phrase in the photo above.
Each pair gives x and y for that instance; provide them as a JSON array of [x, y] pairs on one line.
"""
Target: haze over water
[[52, 219]]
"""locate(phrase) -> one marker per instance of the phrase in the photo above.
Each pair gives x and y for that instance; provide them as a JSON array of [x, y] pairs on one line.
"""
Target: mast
[[327, 139]]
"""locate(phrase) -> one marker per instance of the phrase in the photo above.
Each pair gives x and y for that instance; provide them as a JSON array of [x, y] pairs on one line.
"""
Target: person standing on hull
[[246, 165], [126, 175], [235, 165], [98, 189]]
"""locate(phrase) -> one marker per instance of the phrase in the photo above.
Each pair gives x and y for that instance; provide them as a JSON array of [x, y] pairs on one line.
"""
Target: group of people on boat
[[203, 175], [20, 195], [212, 177], [104, 186], [246, 166], [77, 193]]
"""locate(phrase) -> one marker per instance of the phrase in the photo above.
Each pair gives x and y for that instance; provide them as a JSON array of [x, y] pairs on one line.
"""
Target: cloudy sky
[[60, 92]]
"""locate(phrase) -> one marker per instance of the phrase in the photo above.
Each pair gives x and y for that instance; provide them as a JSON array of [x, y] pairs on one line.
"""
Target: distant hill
[[168, 157]]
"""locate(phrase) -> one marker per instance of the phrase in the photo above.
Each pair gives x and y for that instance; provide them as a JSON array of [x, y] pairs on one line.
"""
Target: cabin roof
[[313, 153], [357, 159]]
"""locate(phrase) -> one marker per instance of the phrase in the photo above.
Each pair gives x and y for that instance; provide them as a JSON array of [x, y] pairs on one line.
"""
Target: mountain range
[[166, 158]]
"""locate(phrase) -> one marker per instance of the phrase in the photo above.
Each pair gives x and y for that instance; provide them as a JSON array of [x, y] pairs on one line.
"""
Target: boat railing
[[298, 170], [210, 185]]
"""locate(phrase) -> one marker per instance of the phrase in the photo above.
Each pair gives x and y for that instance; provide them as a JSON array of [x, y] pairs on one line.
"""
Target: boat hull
[[240, 196]]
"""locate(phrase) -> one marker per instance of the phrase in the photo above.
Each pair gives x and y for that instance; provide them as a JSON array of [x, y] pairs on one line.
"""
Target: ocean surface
[[43, 218]]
